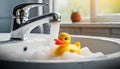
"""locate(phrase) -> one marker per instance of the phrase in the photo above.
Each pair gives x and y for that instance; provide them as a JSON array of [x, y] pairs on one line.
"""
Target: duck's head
[[64, 39]]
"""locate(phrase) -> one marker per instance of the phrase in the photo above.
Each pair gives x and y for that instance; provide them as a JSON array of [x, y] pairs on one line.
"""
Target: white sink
[[10, 52]]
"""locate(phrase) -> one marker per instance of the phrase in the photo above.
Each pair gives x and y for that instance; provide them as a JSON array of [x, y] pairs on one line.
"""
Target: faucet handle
[[27, 7], [21, 12]]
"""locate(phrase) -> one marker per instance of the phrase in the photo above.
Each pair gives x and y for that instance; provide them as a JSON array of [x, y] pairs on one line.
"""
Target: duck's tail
[[78, 44]]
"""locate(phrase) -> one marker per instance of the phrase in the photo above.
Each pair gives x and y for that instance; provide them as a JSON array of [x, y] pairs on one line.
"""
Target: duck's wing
[[78, 44]]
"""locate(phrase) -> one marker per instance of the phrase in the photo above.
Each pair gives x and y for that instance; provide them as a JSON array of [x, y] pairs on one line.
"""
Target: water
[[54, 31]]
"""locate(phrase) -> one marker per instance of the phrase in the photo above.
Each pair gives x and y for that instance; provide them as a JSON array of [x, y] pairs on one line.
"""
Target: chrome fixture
[[22, 26]]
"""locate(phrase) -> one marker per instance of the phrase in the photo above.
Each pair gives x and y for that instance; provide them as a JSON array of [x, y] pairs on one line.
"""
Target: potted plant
[[75, 15]]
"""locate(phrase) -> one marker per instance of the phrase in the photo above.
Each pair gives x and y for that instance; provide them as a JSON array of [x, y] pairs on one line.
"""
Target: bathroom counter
[[4, 36]]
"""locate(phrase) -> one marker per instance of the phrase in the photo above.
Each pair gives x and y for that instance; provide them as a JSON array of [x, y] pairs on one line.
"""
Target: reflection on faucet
[[21, 13], [22, 26]]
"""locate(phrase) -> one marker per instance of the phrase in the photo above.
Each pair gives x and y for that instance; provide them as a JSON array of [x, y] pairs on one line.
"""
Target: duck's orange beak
[[58, 41]]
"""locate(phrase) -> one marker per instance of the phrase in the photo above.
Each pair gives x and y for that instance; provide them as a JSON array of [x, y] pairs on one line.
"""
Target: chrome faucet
[[22, 26]]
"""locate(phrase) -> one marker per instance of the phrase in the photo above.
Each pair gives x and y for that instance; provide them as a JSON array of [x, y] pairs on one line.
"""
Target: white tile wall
[[96, 34], [115, 35], [115, 31], [71, 30], [106, 32], [95, 30]]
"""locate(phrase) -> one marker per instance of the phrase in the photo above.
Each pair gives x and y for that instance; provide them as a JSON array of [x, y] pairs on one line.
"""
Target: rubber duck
[[63, 45]]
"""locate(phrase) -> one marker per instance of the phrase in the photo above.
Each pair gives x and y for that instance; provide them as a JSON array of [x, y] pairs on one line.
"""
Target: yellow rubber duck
[[63, 45]]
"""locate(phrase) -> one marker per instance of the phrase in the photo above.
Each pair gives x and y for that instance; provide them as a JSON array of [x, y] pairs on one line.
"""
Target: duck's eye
[[65, 38]]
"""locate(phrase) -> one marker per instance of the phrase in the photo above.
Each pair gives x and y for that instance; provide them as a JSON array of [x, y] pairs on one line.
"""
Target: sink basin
[[109, 46]]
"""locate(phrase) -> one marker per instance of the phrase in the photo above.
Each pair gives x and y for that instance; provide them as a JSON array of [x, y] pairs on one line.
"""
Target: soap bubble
[[42, 53]]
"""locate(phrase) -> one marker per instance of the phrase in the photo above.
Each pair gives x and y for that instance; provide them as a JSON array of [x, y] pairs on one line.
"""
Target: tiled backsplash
[[92, 31]]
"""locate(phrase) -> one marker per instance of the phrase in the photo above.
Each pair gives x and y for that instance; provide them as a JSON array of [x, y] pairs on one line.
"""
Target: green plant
[[74, 6]]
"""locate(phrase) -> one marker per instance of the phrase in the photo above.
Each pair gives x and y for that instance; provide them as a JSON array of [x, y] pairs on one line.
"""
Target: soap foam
[[46, 53]]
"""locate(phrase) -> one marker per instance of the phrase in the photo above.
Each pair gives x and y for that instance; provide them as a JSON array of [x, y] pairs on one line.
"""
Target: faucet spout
[[23, 26], [22, 33]]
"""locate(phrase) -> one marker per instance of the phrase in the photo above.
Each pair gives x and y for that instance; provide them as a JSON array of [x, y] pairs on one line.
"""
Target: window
[[107, 7], [93, 10], [105, 10], [66, 7]]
